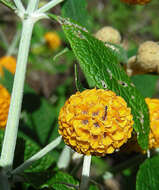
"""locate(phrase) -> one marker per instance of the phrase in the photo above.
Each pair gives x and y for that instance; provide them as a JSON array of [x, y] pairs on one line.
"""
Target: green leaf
[[7, 80], [76, 10], [102, 70], [8, 3], [146, 84], [38, 179], [63, 181], [148, 175], [41, 116]]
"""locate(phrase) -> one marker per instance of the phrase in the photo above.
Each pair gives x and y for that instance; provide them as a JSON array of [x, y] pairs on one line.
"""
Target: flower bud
[[148, 57], [53, 40], [108, 34]]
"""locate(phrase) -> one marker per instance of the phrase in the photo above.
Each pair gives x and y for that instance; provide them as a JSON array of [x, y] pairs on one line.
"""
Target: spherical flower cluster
[[148, 56], [141, 2], [53, 40], [108, 34], [95, 122], [153, 105], [9, 63], [4, 106]]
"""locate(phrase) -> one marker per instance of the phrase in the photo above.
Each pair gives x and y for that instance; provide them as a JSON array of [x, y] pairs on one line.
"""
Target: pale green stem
[[32, 6], [48, 6], [37, 156], [65, 158], [85, 173], [19, 5], [60, 53], [11, 130]]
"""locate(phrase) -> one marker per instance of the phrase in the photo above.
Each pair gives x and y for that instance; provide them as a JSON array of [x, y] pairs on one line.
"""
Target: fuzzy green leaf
[[63, 181], [101, 68], [148, 175]]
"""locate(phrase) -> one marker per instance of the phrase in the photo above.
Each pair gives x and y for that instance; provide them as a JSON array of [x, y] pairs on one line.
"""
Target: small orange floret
[[9, 63], [4, 106], [140, 2], [95, 122], [153, 105], [53, 40]]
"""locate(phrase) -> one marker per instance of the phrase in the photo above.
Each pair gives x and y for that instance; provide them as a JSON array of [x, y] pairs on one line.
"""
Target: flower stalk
[[37, 156], [85, 173]]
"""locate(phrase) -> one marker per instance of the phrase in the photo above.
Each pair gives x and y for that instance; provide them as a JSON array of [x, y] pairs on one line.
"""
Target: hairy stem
[[10, 137], [48, 6], [32, 6], [19, 5], [37, 156]]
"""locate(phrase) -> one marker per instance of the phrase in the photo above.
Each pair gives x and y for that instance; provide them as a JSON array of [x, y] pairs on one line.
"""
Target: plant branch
[[37, 156], [32, 6], [11, 130], [85, 173], [19, 5], [48, 6]]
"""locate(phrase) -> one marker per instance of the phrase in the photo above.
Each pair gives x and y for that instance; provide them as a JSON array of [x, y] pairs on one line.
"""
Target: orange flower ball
[[9, 63], [153, 105], [140, 2], [53, 40], [95, 122], [4, 106]]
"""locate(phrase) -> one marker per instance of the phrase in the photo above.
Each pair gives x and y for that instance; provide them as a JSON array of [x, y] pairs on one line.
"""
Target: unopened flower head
[[153, 105], [4, 106], [148, 57], [95, 122], [140, 2], [108, 34], [53, 40], [9, 63]]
